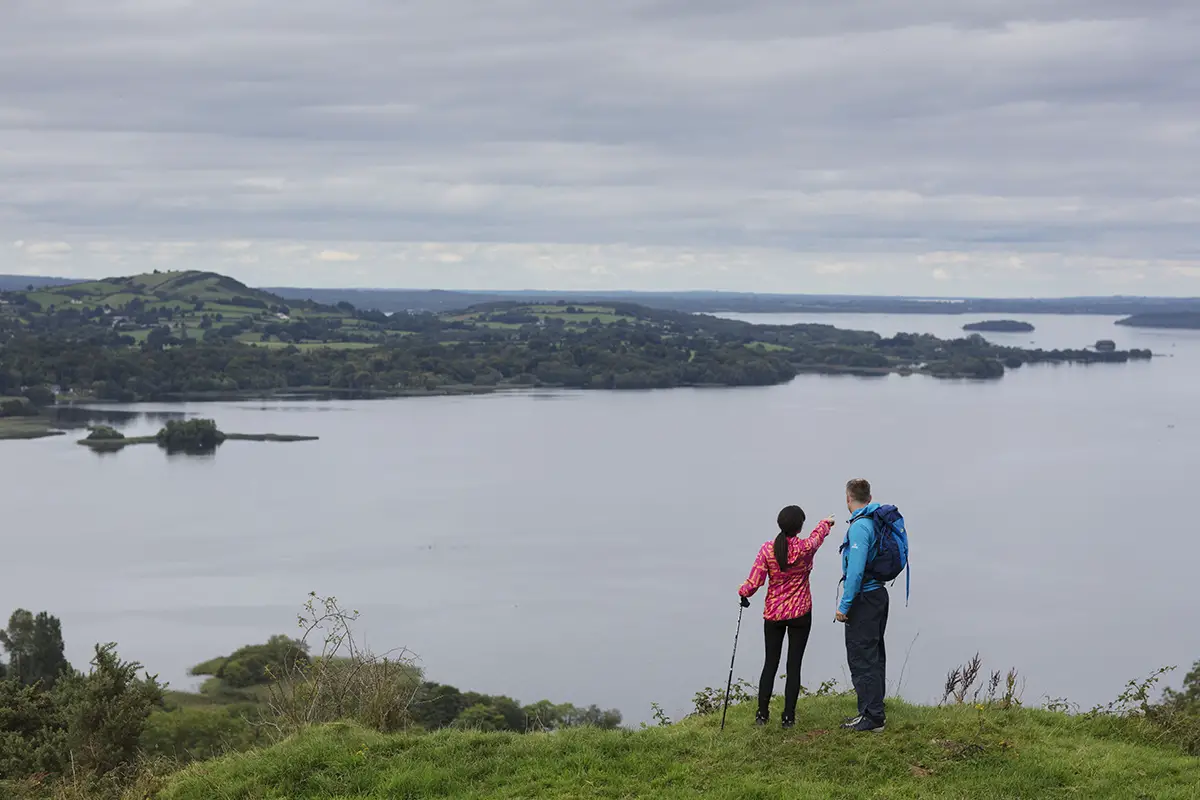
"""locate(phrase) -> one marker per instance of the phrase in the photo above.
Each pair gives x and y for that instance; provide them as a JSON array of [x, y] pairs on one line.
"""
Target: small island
[[999, 326], [193, 436]]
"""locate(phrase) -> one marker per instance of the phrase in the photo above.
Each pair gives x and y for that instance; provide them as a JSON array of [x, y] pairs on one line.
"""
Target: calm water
[[587, 546]]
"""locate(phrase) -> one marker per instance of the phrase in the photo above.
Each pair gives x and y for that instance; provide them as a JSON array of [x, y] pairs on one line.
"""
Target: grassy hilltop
[[151, 288], [952, 752], [190, 303], [323, 717]]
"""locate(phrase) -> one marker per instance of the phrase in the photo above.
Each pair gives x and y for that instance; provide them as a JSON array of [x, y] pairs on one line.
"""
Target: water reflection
[[76, 417]]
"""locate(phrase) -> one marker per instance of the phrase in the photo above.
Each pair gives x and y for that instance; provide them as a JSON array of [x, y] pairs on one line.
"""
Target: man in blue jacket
[[864, 610]]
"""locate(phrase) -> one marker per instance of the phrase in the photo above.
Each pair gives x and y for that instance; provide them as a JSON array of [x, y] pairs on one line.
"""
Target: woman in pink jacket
[[786, 562]]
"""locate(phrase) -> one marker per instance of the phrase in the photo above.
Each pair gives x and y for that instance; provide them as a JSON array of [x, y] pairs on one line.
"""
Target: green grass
[[605, 314], [557, 309], [584, 319], [256, 339], [925, 753], [178, 287], [122, 298], [46, 299], [228, 310], [26, 428]]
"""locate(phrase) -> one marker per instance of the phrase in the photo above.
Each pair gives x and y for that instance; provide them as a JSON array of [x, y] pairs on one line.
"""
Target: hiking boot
[[788, 723], [761, 720], [864, 725]]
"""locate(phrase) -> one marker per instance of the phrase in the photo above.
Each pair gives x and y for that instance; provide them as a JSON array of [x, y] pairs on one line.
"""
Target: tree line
[[644, 349]]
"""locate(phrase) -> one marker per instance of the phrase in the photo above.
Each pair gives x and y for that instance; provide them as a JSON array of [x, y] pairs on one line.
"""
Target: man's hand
[[745, 601], [840, 617]]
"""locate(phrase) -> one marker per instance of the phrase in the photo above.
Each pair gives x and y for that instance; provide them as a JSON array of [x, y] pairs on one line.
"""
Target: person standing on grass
[[786, 562], [864, 611]]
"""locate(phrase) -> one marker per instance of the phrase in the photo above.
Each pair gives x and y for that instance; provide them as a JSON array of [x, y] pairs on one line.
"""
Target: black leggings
[[797, 631]]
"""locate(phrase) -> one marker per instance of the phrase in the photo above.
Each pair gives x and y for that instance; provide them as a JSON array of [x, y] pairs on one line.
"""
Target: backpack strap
[[870, 518]]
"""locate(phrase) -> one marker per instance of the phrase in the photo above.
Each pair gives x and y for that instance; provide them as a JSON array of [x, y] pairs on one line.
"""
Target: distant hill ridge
[[393, 300], [16, 283], [180, 285]]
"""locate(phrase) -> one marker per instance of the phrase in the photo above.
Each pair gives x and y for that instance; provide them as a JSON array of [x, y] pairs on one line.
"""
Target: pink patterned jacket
[[788, 595]]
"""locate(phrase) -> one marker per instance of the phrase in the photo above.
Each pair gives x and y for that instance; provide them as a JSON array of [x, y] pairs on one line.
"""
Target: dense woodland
[[208, 335]]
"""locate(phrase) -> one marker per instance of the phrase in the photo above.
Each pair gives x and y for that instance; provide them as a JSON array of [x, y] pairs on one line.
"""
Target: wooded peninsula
[[1176, 320], [198, 335]]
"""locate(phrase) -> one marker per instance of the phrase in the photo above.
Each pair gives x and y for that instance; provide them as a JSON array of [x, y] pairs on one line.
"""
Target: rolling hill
[[189, 304], [11, 283], [155, 288]]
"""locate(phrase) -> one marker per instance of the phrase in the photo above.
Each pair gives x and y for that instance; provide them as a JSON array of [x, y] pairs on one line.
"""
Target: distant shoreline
[[318, 394], [1179, 321]]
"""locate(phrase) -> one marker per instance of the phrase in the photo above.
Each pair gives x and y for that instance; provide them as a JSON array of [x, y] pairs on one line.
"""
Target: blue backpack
[[891, 548]]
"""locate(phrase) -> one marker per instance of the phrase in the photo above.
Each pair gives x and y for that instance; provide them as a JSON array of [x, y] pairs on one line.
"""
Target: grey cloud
[[1063, 129]]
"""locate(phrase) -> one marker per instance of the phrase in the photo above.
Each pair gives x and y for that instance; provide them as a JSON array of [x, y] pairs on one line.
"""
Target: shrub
[[193, 435], [17, 407], [999, 690], [196, 734], [88, 726], [104, 433], [481, 717], [256, 665], [345, 681], [106, 711], [41, 395]]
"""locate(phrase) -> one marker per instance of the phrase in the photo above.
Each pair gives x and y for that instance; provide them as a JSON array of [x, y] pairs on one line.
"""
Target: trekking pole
[[729, 683]]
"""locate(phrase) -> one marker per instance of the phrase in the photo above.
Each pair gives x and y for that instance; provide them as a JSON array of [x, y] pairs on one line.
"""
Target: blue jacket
[[859, 548]]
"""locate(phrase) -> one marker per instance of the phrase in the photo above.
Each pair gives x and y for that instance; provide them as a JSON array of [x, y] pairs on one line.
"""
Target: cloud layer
[[924, 146]]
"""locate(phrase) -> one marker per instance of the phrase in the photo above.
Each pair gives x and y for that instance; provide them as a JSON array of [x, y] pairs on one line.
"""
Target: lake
[[587, 546]]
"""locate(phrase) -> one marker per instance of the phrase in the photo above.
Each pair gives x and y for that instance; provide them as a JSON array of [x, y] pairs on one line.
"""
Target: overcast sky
[[949, 147]]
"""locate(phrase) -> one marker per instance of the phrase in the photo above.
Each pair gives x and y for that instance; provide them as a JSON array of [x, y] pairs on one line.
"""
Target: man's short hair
[[859, 490]]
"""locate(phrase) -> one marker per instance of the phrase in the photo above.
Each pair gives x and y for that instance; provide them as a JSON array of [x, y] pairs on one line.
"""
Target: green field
[[962, 752], [26, 428], [256, 340], [321, 345], [158, 287], [586, 314], [191, 297]]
